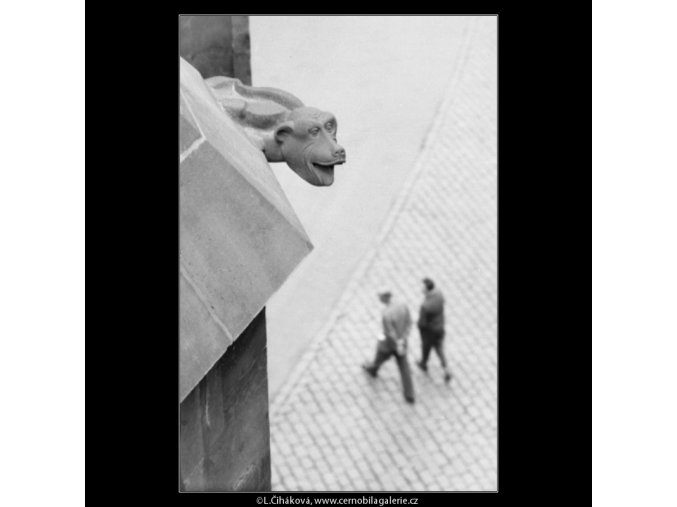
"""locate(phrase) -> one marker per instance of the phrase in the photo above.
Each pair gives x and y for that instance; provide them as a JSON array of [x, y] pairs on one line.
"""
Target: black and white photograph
[[363, 280], [338, 253]]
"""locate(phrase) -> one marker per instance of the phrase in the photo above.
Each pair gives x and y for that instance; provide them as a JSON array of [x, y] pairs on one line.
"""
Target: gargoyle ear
[[283, 131]]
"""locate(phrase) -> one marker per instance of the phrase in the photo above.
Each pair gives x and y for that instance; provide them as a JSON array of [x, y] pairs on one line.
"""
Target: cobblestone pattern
[[335, 428]]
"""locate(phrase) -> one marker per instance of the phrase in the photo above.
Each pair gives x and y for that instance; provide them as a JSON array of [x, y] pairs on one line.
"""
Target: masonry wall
[[239, 240], [225, 438], [216, 45]]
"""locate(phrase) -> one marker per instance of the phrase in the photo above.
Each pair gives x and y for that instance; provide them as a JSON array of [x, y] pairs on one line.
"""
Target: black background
[[132, 227]]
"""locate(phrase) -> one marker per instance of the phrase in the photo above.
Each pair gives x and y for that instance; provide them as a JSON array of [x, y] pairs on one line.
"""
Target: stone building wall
[[225, 440], [216, 45], [239, 239]]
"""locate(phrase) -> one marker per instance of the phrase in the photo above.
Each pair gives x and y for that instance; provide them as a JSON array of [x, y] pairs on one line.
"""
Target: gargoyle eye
[[314, 131], [329, 126]]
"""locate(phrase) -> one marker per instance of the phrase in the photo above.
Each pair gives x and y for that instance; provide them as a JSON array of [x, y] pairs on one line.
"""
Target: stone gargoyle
[[278, 123]]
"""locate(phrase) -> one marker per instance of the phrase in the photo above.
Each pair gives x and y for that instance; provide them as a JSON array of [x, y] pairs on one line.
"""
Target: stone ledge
[[239, 236]]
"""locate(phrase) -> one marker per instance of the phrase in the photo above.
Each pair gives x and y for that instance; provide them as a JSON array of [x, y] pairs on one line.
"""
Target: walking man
[[396, 327], [431, 326]]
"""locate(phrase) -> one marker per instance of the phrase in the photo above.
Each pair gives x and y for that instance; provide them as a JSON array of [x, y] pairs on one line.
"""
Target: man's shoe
[[447, 377], [409, 399], [422, 366], [369, 370]]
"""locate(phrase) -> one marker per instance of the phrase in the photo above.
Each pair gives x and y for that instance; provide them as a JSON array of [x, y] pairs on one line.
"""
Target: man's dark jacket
[[431, 315]]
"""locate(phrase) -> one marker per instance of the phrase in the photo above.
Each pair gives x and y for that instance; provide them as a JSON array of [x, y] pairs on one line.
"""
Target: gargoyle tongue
[[325, 173]]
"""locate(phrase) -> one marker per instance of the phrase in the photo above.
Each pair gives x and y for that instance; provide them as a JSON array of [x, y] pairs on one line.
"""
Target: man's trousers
[[432, 340], [383, 352]]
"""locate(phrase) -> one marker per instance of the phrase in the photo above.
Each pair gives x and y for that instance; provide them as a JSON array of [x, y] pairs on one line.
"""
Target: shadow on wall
[[216, 45]]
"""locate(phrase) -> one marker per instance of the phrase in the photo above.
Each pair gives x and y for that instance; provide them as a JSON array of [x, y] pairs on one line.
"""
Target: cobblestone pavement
[[335, 428]]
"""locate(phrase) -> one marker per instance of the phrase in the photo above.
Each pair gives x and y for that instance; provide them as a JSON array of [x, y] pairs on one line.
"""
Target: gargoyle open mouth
[[328, 165], [324, 171]]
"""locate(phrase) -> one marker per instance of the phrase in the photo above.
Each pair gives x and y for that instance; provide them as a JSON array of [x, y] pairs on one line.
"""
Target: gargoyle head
[[281, 126], [307, 140]]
